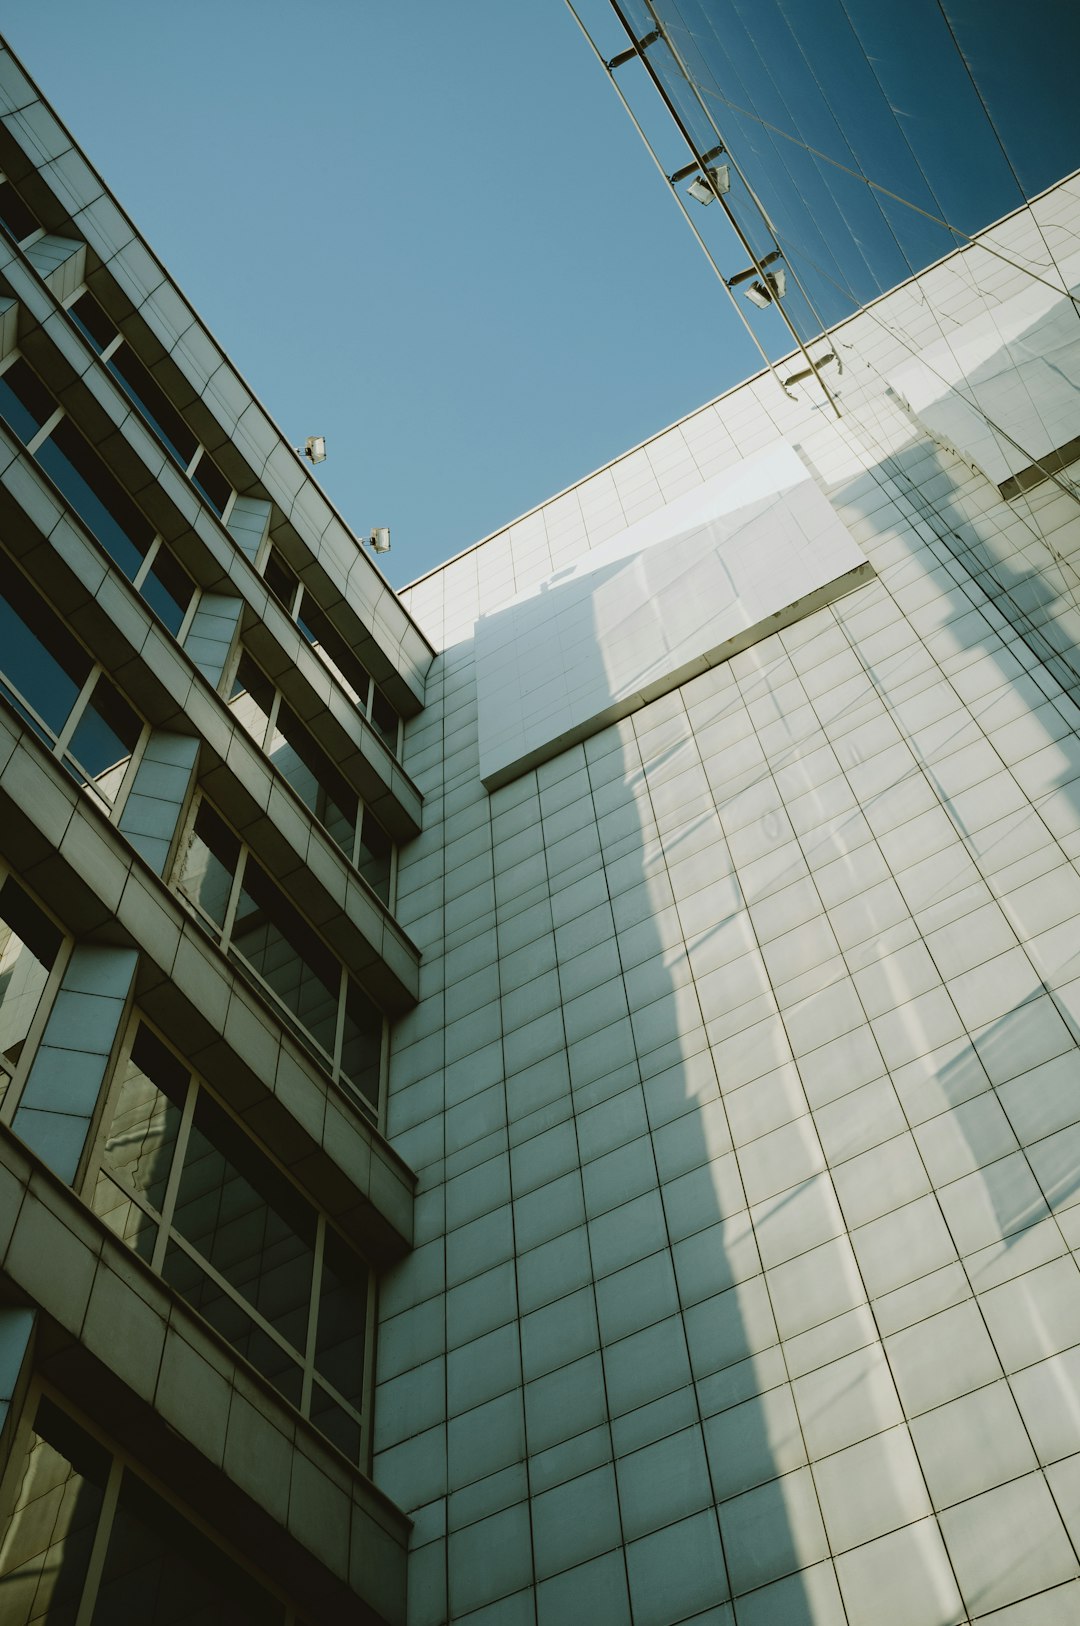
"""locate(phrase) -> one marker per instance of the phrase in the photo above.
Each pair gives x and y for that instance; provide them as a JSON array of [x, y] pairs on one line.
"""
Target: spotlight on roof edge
[[720, 178], [314, 449], [379, 540]]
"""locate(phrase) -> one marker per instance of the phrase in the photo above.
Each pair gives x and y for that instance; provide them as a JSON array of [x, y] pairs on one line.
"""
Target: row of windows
[[64, 695], [151, 402], [324, 637], [88, 1539], [93, 492], [278, 731], [106, 509], [257, 926], [180, 1181]]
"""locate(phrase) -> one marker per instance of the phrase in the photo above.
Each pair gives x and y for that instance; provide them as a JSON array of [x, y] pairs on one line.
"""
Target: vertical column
[[249, 523], [16, 1331], [62, 1089], [158, 795], [212, 634]]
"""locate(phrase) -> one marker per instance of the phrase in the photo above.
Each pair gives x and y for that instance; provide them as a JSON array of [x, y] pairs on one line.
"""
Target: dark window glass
[[88, 315], [96, 496], [361, 1044], [161, 1571], [314, 778], [242, 1215], [38, 657], [154, 405], [211, 482], [281, 948], [280, 579], [17, 220], [146, 1120], [320, 630], [29, 944], [167, 588], [385, 719], [210, 865], [334, 1421], [373, 858], [105, 736], [25, 403], [49, 1539], [339, 1343]]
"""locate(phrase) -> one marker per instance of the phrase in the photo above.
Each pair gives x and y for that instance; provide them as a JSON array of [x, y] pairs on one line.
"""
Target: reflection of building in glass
[[653, 1005]]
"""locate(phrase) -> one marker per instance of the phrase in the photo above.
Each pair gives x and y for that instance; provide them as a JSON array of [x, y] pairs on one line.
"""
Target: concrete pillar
[[65, 1079]]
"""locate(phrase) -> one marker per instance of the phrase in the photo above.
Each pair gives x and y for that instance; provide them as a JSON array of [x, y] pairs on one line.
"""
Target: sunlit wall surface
[[876, 138]]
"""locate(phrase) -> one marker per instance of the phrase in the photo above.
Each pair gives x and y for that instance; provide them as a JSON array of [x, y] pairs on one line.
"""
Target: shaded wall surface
[[744, 1086]]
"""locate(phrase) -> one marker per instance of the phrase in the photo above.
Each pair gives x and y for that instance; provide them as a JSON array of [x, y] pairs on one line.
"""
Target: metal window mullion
[[102, 1535], [172, 1186], [272, 721], [111, 348], [234, 900], [147, 563], [238, 1298], [339, 1030], [45, 431], [38, 718], [313, 1313], [74, 716], [190, 467]]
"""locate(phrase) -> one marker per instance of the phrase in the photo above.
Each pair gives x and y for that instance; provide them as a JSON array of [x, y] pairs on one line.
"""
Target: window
[[62, 693], [151, 401], [324, 637], [94, 493], [278, 731], [30, 947], [90, 1540], [266, 935], [18, 221], [184, 1186]]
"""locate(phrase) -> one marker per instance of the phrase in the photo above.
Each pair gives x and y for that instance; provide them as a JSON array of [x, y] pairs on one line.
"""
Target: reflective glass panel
[[43, 667], [361, 1043], [339, 1346], [247, 1220], [25, 403], [141, 1140], [29, 944], [17, 219], [212, 483], [162, 1571], [281, 948], [96, 496], [104, 738], [88, 315], [47, 1544], [210, 864], [154, 405], [373, 859]]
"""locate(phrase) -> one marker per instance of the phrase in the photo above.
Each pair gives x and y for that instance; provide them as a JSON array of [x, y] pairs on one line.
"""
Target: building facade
[[553, 1097]]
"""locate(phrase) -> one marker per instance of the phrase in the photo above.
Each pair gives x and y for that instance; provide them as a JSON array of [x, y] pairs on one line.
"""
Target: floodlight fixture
[[714, 182], [379, 540], [772, 286], [314, 449]]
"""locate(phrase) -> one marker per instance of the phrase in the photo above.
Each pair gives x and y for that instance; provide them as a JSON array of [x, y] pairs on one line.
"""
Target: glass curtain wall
[[183, 1185], [875, 139]]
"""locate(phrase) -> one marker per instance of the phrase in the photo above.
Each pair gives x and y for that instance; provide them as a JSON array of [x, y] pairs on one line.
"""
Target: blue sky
[[427, 232]]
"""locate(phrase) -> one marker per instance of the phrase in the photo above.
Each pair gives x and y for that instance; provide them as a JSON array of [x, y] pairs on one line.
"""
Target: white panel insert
[[745, 553]]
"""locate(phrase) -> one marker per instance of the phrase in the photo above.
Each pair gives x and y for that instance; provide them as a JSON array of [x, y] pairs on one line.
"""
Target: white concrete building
[[571, 1074]]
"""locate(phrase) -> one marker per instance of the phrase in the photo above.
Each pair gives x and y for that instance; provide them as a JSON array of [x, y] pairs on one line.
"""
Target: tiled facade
[[619, 1168], [743, 1088]]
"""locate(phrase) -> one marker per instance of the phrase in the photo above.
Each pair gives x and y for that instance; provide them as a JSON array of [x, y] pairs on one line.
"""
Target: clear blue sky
[[426, 231]]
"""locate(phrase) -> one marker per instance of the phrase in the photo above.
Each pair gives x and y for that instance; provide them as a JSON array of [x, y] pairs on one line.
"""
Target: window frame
[[373, 1111], [16, 1082], [105, 356], [157, 542], [294, 609], [167, 1234], [351, 857], [122, 1461], [59, 749]]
